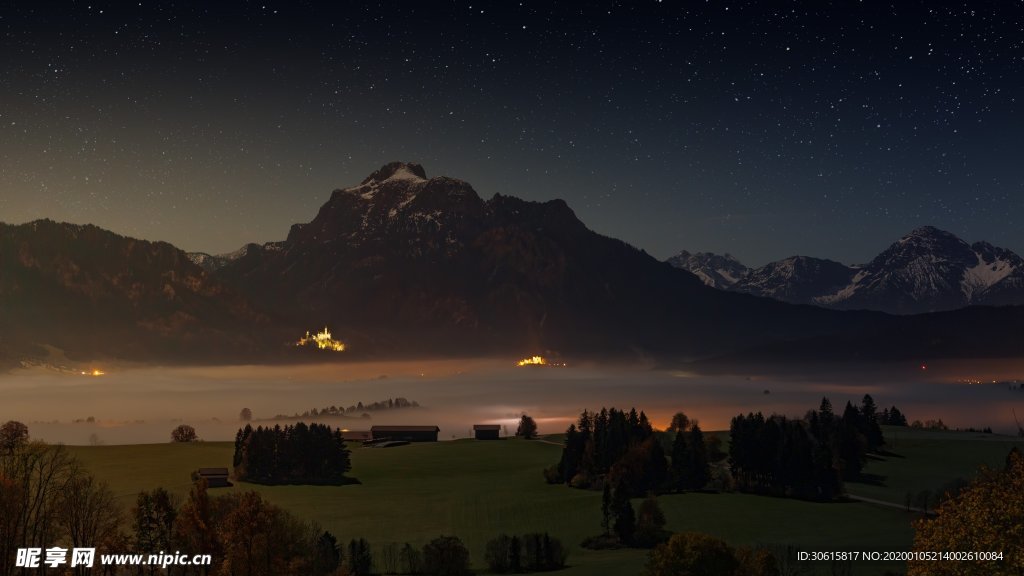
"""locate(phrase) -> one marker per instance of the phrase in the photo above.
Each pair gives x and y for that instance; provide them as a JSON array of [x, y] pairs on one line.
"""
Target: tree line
[[621, 450], [610, 446], [293, 454], [359, 407], [806, 458]]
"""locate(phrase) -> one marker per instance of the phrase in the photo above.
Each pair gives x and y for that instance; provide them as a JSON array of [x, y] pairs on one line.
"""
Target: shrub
[[446, 556]]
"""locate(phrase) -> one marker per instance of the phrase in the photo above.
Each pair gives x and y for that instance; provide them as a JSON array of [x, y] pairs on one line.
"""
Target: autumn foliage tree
[[13, 434], [986, 516]]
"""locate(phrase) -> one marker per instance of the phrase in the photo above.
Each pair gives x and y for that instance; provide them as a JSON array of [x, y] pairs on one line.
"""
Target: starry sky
[[762, 129]]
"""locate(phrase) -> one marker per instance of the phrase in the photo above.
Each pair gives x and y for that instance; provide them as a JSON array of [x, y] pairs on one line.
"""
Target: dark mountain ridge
[[406, 262], [406, 265], [95, 293]]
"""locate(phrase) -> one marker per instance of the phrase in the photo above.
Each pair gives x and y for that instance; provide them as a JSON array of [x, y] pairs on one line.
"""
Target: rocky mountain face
[[404, 265], [90, 291], [927, 270], [403, 261], [717, 271]]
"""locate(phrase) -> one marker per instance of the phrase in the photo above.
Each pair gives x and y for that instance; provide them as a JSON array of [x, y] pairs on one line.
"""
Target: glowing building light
[[321, 340]]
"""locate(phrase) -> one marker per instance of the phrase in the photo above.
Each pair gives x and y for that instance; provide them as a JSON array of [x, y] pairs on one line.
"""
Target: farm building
[[407, 433], [486, 431], [356, 435], [215, 477]]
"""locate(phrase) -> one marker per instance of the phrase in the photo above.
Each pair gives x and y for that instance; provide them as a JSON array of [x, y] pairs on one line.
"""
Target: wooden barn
[[215, 477], [406, 433], [487, 431], [356, 435]]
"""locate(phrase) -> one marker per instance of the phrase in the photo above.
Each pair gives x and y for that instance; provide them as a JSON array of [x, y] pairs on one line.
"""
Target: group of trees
[[691, 467], [987, 515], [357, 408], [622, 449], [623, 526], [243, 533], [527, 553], [47, 497], [611, 446], [892, 417], [806, 458], [299, 454], [698, 553], [442, 556]]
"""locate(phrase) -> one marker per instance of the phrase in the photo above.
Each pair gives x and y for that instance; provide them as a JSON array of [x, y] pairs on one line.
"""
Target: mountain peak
[[719, 271], [397, 171], [929, 232]]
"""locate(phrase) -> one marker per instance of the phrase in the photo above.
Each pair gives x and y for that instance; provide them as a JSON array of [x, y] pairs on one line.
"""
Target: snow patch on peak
[[397, 171], [984, 275], [405, 173]]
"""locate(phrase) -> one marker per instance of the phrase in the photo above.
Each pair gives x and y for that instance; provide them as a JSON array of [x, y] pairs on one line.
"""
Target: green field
[[931, 459], [476, 490]]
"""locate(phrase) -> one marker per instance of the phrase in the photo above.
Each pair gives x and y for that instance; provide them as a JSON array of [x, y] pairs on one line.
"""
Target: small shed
[[406, 433], [215, 477], [486, 431], [356, 435]]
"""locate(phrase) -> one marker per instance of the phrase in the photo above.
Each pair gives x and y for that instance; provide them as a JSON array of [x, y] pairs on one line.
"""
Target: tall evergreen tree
[[625, 518], [698, 469], [852, 444], [680, 459], [360, 560], [871, 429], [606, 508], [326, 555]]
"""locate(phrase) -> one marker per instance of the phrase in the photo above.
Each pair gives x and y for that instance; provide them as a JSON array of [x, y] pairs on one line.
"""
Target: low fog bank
[[142, 405]]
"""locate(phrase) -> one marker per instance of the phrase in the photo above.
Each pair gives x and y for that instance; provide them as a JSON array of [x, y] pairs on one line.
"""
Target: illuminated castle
[[539, 361], [321, 340]]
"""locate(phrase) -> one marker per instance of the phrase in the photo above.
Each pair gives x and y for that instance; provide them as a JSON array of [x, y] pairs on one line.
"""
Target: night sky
[[760, 129]]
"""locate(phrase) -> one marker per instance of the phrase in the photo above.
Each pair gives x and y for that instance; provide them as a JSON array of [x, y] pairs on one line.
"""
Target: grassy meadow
[[476, 490]]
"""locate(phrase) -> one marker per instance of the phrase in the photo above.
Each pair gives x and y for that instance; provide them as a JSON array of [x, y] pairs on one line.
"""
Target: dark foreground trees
[[527, 553], [299, 454], [46, 498], [13, 434], [806, 458], [986, 516], [446, 556], [694, 554], [615, 444]]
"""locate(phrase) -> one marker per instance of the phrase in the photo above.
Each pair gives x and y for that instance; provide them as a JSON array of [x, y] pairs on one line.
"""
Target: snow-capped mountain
[[796, 279], [718, 271], [214, 262], [927, 270], [406, 262]]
